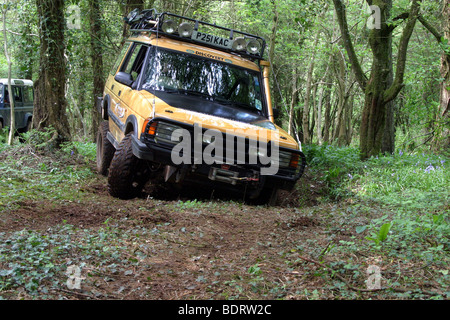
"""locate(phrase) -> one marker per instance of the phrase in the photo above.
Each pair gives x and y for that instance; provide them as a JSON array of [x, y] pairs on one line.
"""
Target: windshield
[[224, 83]]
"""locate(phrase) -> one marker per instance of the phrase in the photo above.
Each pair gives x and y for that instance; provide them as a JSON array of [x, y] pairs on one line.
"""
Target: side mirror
[[124, 78]]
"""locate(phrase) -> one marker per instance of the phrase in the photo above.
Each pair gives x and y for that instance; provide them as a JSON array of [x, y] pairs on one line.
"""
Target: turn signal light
[[294, 160], [152, 128]]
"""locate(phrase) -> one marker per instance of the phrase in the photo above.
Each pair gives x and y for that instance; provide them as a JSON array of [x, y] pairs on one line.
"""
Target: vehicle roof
[[182, 46], [24, 82]]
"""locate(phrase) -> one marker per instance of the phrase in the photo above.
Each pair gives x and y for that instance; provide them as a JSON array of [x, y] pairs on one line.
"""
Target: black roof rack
[[196, 31]]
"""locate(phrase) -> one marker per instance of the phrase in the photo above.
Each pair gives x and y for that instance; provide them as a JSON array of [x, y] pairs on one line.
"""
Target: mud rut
[[180, 264]]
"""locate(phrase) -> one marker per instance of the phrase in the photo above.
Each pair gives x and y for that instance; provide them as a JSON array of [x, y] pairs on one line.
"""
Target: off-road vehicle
[[22, 93], [189, 102]]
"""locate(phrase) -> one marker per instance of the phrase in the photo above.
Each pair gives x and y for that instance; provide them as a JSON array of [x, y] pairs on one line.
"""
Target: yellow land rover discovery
[[189, 101]]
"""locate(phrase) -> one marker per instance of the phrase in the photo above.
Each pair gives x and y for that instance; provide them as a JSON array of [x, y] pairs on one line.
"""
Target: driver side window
[[135, 61]]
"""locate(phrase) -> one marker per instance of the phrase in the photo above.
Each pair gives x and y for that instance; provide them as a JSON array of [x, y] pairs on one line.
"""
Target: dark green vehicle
[[23, 103]]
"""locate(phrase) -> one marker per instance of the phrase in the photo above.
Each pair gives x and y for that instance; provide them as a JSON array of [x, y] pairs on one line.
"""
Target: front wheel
[[268, 196], [29, 126], [127, 174]]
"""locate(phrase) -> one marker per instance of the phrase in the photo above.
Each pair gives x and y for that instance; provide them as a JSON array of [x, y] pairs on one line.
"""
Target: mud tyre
[[268, 196], [29, 126], [127, 174], [105, 150]]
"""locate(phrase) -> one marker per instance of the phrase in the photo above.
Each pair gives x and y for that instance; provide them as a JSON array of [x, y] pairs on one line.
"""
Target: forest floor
[[64, 237]]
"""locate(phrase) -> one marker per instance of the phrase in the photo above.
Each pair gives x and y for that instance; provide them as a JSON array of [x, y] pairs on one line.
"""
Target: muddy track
[[203, 248]]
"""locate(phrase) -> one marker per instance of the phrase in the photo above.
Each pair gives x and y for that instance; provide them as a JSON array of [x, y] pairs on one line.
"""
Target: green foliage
[[3, 136], [326, 156], [415, 180], [334, 165], [404, 222], [38, 262], [86, 149], [381, 235], [392, 207], [35, 170], [413, 190], [40, 139]]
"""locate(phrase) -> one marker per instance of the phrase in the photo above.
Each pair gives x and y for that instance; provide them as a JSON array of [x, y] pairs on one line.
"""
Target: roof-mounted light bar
[[196, 31]]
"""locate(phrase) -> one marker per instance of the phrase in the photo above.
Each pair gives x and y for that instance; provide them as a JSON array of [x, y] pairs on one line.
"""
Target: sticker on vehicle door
[[119, 110]]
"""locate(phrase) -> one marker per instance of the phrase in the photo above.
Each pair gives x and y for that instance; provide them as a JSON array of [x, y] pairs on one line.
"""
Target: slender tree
[[307, 137], [11, 93], [97, 60], [442, 136], [50, 101]]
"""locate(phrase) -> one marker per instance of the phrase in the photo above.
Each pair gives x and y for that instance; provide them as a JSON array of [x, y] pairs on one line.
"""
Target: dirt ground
[[197, 244], [204, 248]]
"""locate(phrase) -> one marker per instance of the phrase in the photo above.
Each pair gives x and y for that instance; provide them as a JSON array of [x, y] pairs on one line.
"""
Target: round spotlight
[[169, 26], [239, 44], [185, 30], [253, 47]]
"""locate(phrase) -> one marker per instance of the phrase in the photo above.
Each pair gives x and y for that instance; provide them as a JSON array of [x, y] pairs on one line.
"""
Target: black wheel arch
[[131, 125], [105, 107]]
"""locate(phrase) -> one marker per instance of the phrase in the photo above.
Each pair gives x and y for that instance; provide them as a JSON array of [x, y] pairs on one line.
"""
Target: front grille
[[236, 150]]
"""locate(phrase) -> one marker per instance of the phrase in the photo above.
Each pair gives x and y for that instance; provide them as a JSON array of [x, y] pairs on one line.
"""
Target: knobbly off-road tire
[[268, 196], [127, 174], [29, 126], [105, 150]]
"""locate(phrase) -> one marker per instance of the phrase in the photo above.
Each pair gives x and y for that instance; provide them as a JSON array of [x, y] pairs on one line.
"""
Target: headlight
[[258, 152], [164, 132], [208, 139], [288, 159]]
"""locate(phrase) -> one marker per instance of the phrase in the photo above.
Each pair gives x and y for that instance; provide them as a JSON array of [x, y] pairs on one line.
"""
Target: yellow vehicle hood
[[211, 115]]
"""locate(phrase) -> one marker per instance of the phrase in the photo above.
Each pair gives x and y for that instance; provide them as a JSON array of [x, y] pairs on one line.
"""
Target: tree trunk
[[305, 119], [25, 58], [97, 62], [388, 144], [348, 120], [374, 112], [381, 90], [339, 127], [276, 94], [378, 90], [273, 34], [50, 102], [328, 107], [319, 116], [294, 102], [441, 138], [12, 127]]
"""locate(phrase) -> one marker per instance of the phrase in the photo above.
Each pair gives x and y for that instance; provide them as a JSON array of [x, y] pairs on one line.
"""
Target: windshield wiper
[[187, 92], [236, 104]]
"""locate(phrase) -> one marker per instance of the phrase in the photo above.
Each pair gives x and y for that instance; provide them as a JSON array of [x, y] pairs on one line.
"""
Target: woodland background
[[369, 219], [323, 86]]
